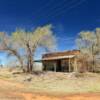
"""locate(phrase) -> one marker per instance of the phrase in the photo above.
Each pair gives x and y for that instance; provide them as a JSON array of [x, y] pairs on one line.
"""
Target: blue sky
[[68, 18]]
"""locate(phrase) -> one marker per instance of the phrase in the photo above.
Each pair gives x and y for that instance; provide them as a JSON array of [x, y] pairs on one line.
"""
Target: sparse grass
[[51, 82]]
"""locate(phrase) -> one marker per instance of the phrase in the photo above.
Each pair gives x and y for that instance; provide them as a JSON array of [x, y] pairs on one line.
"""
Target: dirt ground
[[15, 91]]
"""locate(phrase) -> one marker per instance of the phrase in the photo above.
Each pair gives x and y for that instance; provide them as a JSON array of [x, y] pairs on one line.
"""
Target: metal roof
[[55, 58], [59, 57]]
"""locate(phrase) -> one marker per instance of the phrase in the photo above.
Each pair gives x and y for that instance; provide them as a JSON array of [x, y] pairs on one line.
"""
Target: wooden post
[[69, 65], [75, 65], [55, 69], [45, 66]]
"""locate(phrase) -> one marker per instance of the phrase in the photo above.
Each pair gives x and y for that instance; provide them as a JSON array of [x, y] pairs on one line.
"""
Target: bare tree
[[30, 41], [98, 39], [89, 44], [8, 46]]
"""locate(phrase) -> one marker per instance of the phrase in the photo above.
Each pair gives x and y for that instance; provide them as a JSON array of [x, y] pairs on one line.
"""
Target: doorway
[[59, 67]]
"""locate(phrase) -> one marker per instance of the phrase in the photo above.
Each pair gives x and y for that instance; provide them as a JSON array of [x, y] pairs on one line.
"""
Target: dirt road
[[15, 91]]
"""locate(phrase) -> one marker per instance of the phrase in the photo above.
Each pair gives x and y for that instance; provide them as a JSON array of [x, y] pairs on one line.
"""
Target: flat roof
[[56, 58], [59, 57]]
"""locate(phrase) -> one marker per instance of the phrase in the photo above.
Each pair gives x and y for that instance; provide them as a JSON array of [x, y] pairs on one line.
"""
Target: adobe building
[[60, 61]]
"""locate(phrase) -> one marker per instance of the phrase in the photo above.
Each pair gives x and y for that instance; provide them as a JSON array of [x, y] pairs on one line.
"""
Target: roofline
[[61, 52], [56, 58], [59, 57]]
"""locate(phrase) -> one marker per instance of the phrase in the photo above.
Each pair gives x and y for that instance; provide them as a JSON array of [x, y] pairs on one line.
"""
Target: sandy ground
[[15, 91]]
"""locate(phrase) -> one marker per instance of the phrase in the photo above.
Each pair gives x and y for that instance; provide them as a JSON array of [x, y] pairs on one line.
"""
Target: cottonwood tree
[[30, 41], [89, 44], [7, 45], [98, 39]]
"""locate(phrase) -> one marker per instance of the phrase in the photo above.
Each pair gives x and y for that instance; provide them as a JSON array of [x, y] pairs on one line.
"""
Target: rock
[[75, 75], [28, 79]]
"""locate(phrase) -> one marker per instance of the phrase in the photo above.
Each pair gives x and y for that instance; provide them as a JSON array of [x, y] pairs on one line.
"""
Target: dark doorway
[[59, 68]]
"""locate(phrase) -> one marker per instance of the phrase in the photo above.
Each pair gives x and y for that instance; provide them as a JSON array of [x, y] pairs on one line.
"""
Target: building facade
[[61, 61]]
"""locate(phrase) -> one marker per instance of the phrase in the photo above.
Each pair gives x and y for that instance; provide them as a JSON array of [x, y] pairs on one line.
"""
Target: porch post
[[69, 65], [75, 65], [55, 67]]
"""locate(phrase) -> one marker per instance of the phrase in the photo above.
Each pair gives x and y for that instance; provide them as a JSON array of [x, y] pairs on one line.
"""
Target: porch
[[60, 64]]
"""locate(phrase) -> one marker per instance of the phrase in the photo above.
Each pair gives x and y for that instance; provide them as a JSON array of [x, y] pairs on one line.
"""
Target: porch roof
[[58, 57]]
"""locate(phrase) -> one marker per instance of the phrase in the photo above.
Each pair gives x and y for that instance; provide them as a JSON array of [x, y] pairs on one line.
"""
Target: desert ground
[[49, 86]]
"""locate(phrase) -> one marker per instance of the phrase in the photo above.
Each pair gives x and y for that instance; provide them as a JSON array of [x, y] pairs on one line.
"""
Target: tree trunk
[[30, 59], [30, 63], [28, 68], [93, 63], [93, 58], [21, 63]]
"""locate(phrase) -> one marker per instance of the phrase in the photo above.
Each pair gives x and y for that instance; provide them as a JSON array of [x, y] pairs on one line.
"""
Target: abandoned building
[[60, 61]]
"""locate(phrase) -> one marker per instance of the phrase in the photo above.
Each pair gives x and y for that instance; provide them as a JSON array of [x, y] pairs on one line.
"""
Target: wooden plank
[[75, 65], [55, 67], [69, 65]]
